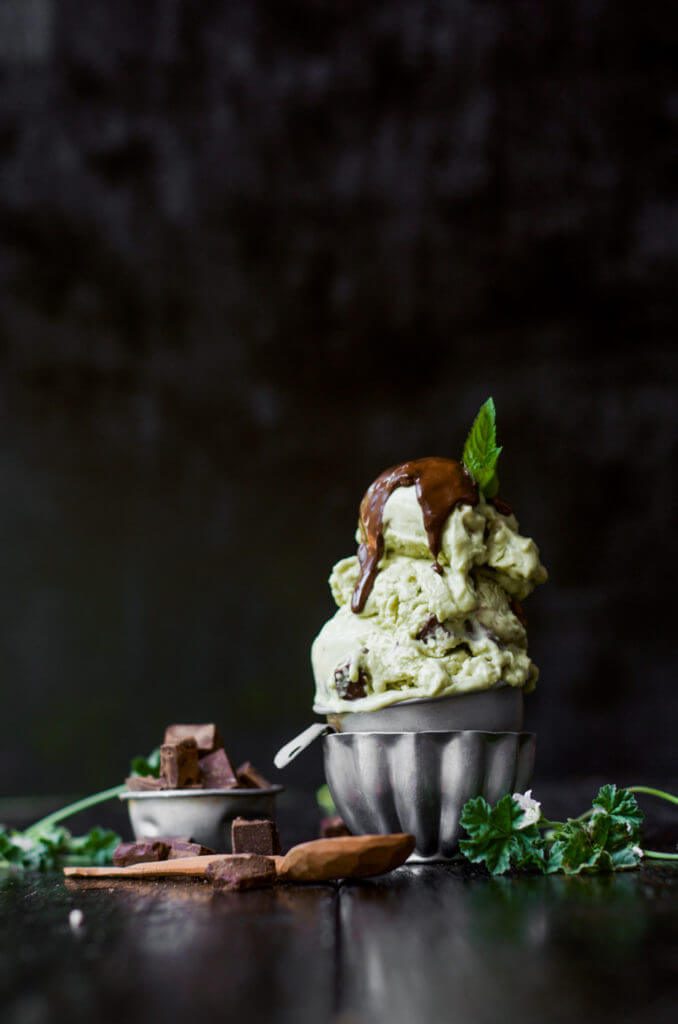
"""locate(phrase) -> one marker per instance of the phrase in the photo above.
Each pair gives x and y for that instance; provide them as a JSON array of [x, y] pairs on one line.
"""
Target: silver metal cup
[[496, 710]]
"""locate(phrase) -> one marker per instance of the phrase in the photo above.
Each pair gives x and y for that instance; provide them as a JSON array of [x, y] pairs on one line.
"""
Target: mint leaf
[[608, 841], [622, 809], [51, 848], [96, 847], [481, 452], [149, 765], [496, 838], [574, 851]]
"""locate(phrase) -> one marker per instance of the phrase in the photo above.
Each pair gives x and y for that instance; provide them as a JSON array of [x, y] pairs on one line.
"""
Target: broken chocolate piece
[[141, 783], [333, 826], [179, 763], [186, 849], [502, 507], [347, 688], [250, 778], [432, 630], [217, 772], [139, 853], [206, 736], [259, 836], [517, 609], [245, 871]]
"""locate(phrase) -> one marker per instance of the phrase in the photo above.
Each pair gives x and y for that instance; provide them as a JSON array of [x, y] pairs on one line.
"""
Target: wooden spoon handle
[[192, 866]]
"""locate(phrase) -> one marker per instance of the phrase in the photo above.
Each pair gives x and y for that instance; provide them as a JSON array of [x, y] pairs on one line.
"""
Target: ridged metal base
[[418, 782]]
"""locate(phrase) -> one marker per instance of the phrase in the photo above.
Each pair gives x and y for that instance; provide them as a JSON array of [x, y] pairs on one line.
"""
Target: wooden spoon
[[317, 861]]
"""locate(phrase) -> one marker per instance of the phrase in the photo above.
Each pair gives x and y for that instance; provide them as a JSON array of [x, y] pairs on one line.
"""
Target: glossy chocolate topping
[[440, 484]]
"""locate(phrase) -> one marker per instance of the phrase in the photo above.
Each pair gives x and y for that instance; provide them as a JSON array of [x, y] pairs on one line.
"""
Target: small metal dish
[[418, 782], [204, 814]]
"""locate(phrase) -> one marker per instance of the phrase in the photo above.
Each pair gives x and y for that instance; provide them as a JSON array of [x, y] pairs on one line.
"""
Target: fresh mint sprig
[[481, 452], [501, 836], [52, 848], [515, 834], [149, 765], [46, 845]]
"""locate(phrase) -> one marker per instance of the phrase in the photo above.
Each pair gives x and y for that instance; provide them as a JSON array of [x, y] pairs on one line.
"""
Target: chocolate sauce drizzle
[[440, 484]]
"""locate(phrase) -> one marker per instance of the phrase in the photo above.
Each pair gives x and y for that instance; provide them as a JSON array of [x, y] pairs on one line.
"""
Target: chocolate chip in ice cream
[[347, 688], [432, 630], [517, 609]]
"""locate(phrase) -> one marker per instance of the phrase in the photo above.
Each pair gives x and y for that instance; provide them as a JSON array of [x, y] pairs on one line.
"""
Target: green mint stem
[[546, 823], [660, 793], [79, 805], [654, 792], [656, 855]]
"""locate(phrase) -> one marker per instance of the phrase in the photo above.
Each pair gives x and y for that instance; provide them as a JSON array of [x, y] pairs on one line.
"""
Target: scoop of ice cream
[[431, 622]]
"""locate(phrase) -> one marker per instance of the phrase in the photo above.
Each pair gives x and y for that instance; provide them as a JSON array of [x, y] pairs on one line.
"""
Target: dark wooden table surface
[[432, 944]]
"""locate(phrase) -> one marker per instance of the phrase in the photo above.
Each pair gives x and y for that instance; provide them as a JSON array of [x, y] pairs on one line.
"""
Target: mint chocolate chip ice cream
[[430, 605]]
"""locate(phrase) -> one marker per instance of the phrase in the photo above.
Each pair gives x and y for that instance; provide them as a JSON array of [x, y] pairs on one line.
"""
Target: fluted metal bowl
[[418, 782]]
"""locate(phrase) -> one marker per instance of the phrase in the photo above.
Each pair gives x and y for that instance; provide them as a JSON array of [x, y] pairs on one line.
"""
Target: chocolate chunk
[[502, 507], [206, 736], [141, 783], [250, 778], [139, 853], [217, 772], [179, 763], [245, 871], [255, 837], [186, 849], [347, 688], [334, 826], [497, 640], [517, 609], [432, 630]]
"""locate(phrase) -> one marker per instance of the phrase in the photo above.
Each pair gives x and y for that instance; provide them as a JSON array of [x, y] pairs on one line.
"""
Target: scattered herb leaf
[[149, 765], [55, 847]]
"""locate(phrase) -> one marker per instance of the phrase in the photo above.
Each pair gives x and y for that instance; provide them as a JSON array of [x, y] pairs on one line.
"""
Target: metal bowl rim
[[431, 732], [318, 709], [167, 794]]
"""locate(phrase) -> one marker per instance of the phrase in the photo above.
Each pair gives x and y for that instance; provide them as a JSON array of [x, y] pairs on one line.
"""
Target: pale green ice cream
[[427, 634]]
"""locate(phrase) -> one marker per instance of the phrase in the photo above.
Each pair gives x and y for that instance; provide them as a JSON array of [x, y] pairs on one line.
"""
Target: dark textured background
[[251, 254]]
